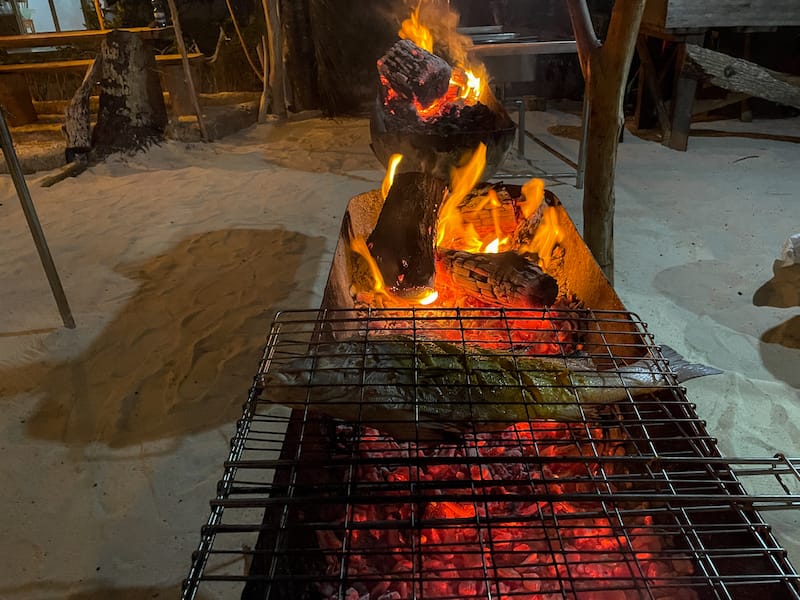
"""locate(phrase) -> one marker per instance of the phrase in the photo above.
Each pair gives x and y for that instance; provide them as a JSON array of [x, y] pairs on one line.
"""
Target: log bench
[[15, 94], [682, 24]]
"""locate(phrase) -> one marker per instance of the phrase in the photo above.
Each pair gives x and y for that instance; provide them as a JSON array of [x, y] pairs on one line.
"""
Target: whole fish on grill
[[423, 389]]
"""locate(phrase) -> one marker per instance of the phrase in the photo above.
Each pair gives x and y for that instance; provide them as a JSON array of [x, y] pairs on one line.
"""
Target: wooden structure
[[605, 69], [684, 24], [16, 96]]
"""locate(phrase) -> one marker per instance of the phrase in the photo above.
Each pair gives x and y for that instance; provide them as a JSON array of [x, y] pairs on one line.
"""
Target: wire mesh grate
[[628, 499]]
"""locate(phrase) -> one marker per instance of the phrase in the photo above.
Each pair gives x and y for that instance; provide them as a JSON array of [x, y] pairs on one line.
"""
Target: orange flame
[[533, 191], [425, 297], [413, 29], [391, 169], [360, 246], [462, 180], [467, 82], [548, 235]]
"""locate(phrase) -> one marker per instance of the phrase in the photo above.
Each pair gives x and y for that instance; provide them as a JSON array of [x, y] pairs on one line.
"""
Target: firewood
[[403, 241], [415, 73], [506, 278]]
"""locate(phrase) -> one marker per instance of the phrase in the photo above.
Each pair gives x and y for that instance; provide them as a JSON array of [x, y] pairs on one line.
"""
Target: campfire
[[434, 103], [466, 244]]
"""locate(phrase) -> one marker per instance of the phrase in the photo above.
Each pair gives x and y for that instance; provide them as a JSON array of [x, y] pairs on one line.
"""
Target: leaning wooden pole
[[101, 20], [605, 67], [275, 39], [187, 70]]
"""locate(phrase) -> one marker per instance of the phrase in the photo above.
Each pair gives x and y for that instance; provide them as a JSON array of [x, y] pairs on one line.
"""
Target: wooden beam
[[605, 68], [187, 70], [100, 18], [648, 74], [585, 36], [739, 75], [275, 40]]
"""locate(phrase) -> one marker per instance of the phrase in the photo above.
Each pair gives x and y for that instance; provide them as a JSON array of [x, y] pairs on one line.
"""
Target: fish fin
[[684, 370]]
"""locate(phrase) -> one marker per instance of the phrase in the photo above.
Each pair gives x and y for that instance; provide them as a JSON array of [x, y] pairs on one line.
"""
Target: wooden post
[[100, 18], [275, 38], [187, 69], [263, 105], [605, 67]]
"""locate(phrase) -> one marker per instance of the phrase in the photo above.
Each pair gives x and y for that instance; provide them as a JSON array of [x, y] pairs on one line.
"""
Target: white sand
[[113, 434]]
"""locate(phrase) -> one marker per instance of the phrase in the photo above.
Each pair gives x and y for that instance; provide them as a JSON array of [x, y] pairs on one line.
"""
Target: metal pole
[[53, 12], [520, 128], [33, 222]]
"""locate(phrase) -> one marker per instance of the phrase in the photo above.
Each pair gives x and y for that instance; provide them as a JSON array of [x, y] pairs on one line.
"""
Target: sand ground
[[174, 261]]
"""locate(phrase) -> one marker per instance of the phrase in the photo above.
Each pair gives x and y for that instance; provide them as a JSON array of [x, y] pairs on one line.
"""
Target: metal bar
[[15, 169], [518, 48], [668, 499], [54, 14], [520, 128]]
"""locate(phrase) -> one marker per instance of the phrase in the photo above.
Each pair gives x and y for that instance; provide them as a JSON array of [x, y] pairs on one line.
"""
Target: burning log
[[415, 73], [403, 241], [505, 279]]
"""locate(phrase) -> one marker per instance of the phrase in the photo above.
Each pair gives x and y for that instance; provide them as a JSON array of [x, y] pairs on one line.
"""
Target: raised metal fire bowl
[[431, 151]]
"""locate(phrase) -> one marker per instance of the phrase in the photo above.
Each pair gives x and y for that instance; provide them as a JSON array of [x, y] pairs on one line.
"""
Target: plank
[[739, 75], [74, 38], [82, 63]]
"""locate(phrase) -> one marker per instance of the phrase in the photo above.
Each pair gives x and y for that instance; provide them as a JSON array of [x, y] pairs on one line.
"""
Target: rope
[[256, 70]]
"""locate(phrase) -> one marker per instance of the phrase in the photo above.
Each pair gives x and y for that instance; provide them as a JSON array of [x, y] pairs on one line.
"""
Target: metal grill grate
[[631, 501]]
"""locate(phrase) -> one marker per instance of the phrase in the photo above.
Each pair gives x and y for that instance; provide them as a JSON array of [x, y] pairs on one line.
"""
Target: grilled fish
[[423, 389]]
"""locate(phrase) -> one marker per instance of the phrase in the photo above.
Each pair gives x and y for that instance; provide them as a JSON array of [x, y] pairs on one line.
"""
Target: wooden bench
[[15, 93], [83, 37]]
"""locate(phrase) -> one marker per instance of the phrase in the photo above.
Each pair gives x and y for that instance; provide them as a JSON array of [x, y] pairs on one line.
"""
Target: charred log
[[403, 241], [415, 73], [505, 279]]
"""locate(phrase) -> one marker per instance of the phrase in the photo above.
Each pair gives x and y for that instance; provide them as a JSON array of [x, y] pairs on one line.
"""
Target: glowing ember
[[491, 521]]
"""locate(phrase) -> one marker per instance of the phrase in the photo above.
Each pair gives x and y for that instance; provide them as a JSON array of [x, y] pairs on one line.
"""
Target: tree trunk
[[77, 123], [275, 50], [132, 114], [301, 67], [605, 68]]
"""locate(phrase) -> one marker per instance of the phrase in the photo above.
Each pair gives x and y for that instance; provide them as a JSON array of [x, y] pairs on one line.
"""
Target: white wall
[[68, 11]]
